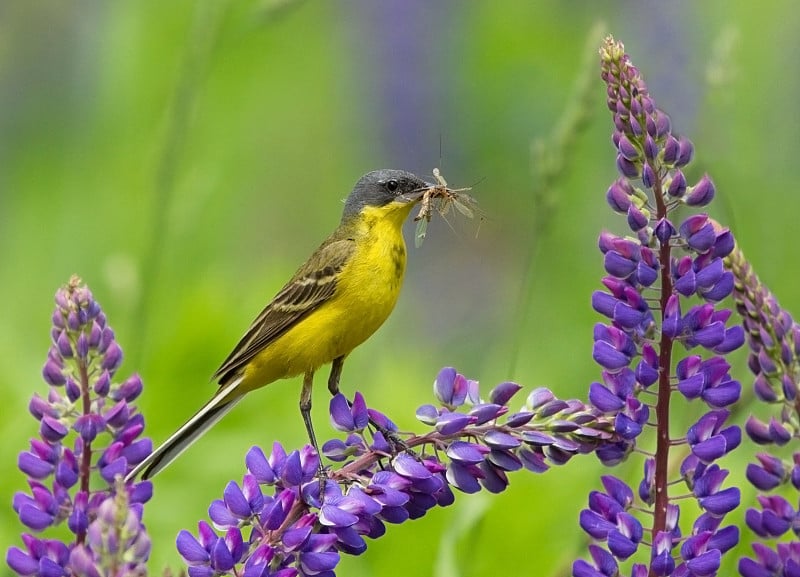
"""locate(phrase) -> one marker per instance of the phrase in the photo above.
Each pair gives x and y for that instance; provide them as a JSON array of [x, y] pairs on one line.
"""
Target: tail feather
[[183, 438]]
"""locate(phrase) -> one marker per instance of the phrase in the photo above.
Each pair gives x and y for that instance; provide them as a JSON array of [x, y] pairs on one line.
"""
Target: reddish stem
[[664, 391], [86, 457]]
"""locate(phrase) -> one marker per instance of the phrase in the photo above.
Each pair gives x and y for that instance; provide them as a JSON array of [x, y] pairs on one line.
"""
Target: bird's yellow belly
[[366, 293]]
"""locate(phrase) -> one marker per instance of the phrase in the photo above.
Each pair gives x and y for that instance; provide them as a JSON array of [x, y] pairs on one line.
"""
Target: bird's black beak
[[417, 195]]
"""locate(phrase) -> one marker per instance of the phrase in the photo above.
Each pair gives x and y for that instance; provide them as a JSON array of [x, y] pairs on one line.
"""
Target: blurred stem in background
[[549, 161], [202, 35]]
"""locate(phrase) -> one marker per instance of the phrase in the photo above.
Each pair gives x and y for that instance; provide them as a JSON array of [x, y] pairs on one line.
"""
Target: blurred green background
[[185, 157]]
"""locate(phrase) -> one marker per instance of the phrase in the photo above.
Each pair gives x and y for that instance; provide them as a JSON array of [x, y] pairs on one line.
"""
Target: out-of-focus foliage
[[184, 158]]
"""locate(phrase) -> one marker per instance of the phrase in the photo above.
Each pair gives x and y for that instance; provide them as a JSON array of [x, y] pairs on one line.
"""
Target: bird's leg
[[336, 372], [396, 443], [305, 410]]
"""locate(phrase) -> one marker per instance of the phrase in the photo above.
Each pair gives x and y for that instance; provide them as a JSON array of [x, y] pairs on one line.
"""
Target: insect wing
[[462, 207], [422, 229]]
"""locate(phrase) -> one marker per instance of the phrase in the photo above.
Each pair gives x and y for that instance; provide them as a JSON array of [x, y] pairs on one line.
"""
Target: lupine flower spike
[[276, 523], [773, 337], [651, 275], [89, 436]]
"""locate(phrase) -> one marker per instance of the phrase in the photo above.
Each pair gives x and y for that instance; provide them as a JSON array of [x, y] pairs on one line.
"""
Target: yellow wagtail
[[332, 304]]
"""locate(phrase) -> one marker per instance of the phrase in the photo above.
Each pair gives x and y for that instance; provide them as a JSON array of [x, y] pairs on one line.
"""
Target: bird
[[333, 303]]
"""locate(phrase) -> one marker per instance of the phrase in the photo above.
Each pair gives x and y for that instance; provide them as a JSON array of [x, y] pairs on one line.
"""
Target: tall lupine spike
[[90, 436], [635, 350], [472, 445], [774, 341]]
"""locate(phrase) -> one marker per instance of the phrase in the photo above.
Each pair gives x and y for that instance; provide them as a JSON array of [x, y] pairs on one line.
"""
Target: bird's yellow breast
[[366, 292]]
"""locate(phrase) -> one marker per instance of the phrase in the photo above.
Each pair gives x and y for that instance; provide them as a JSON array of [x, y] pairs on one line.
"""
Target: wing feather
[[311, 286]]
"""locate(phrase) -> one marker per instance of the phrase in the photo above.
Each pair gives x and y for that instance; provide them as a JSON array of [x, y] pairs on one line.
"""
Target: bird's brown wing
[[312, 285]]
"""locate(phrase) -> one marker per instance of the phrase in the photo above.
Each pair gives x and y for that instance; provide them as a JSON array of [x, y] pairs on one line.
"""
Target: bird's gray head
[[380, 187]]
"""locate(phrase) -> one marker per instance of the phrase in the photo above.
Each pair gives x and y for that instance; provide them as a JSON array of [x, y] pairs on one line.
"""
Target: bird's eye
[[392, 185]]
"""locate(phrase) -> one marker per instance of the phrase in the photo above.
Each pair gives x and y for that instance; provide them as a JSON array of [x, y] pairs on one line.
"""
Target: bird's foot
[[396, 444]]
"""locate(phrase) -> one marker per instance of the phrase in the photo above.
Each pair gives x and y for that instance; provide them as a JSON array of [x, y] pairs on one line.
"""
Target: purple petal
[[734, 338], [34, 518], [336, 450], [750, 568], [359, 411], [444, 385], [117, 415], [331, 516], [607, 356], [394, 515], [724, 539], [620, 545], [53, 373], [494, 480], [389, 497], [539, 397], [502, 393], [292, 472], [538, 438], [428, 414], [221, 558], [451, 423], [519, 419], [341, 417], [20, 562], [200, 571], [626, 167], [710, 449], [381, 420], [618, 490], [314, 563], [603, 399], [190, 549], [723, 395], [465, 452], [700, 194], [258, 465], [49, 568], [485, 412], [463, 478], [617, 265], [705, 564], [88, 426], [235, 501], [500, 440], [52, 430], [294, 538], [721, 503], [350, 541], [33, 466], [407, 466], [692, 387], [118, 467], [113, 357], [139, 450], [595, 525], [220, 515], [626, 427], [504, 460], [462, 387]]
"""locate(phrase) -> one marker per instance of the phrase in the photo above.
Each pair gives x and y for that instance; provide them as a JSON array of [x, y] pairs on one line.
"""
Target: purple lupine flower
[[774, 358], [637, 344], [294, 529], [87, 423]]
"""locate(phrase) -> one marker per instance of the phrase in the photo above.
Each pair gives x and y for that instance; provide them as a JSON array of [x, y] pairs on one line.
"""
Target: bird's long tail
[[210, 413]]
